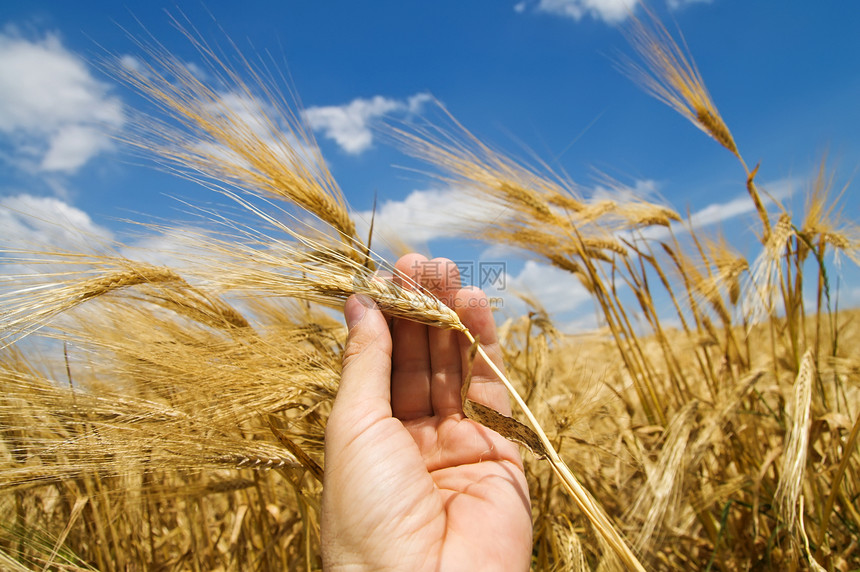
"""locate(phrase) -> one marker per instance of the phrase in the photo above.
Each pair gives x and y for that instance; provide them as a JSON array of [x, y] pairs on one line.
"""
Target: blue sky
[[533, 76]]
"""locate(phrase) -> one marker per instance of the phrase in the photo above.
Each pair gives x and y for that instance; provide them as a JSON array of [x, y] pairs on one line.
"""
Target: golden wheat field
[[173, 418]]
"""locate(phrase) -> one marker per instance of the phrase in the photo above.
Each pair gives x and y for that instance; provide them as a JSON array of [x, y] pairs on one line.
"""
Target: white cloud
[[433, 214], [133, 64], [558, 290], [719, 212], [610, 11], [350, 125], [716, 213], [781, 189], [565, 300], [851, 298], [72, 146], [675, 4], [29, 222], [641, 189], [55, 114], [266, 124], [176, 247], [423, 216], [256, 128]]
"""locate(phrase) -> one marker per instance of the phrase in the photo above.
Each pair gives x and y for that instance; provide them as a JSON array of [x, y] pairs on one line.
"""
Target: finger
[[475, 312], [365, 385], [410, 361], [445, 362]]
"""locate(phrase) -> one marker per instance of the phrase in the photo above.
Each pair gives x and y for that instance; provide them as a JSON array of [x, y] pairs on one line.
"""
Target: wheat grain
[[233, 138], [796, 444], [29, 308], [673, 78]]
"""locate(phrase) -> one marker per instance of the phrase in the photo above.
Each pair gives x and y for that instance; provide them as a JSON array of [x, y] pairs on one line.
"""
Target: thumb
[[365, 384]]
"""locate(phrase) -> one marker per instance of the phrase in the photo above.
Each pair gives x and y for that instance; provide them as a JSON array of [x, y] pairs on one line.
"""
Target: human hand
[[410, 482]]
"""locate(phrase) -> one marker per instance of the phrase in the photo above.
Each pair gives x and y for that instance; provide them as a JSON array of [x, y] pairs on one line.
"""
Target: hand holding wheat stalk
[[410, 482]]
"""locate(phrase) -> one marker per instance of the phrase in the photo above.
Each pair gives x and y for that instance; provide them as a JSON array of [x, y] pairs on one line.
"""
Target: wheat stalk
[[30, 307], [790, 486], [232, 135], [673, 78], [586, 503]]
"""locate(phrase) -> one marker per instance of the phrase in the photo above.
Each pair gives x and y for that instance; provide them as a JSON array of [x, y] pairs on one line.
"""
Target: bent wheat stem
[[577, 492]]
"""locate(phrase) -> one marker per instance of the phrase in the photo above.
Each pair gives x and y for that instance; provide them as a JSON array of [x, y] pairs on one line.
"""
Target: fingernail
[[355, 308]]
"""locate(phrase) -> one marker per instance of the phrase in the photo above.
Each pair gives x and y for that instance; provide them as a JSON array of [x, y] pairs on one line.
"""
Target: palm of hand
[[414, 484]]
